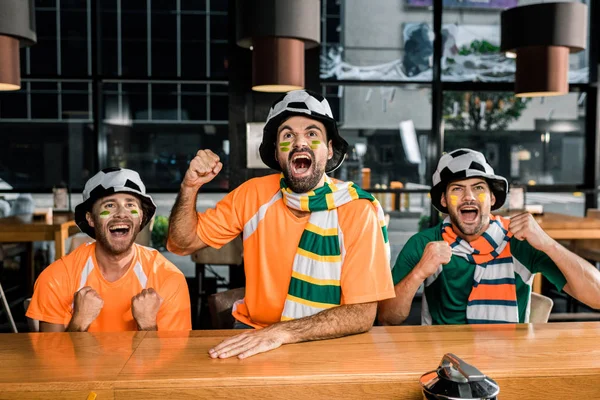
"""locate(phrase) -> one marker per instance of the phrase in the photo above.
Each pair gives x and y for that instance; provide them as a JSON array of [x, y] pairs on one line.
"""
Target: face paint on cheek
[[482, 197], [453, 199], [135, 213], [284, 146], [104, 214], [314, 144]]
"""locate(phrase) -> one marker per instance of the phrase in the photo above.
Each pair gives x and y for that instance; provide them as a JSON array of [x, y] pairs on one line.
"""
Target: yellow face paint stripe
[[453, 199], [482, 197]]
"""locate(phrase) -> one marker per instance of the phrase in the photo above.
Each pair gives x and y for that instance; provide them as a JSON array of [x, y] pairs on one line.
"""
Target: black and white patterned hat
[[107, 182], [308, 104], [464, 164]]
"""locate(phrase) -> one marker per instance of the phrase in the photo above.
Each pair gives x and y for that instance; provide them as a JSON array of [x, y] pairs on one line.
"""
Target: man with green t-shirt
[[477, 267]]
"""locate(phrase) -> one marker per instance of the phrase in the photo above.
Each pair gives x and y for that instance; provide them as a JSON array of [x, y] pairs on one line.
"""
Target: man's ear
[[443, 200], [330, 150], [90, 220], [492, 198]]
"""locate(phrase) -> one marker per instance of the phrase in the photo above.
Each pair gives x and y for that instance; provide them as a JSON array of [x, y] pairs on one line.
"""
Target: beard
[[471, 229], [306, 183], [119, 247]]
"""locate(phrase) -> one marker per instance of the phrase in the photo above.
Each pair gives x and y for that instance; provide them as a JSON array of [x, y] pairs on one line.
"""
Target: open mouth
[[119, 230], [469, 213], [301, 164]]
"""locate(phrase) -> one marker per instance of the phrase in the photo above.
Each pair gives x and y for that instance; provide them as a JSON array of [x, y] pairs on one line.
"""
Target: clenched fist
[[434, 255], [525, 227], [87, 305], [144, 307], [203, 168]]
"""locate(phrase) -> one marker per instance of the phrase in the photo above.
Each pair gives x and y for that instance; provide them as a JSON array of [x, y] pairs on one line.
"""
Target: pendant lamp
[[542, 36], [278, 32], [17, 29]]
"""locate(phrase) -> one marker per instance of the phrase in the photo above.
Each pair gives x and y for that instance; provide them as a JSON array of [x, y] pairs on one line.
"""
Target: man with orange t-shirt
[[316, 253], [112, 284]]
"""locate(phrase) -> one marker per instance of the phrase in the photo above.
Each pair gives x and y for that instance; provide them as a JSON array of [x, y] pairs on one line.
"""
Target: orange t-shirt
[[271, 234], [52, 299]]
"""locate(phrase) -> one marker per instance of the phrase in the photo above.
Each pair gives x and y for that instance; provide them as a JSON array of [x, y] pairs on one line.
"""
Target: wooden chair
[[540, 308], [220, 306], [7, 309]]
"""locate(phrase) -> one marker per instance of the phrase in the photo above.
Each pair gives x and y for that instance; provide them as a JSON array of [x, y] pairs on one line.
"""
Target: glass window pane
[[193, 46], [14, 104], [134, 49], [472, 45], [390, 42], [74, 46], [193, 5], [43, 54], [164, 102], [75, 100], [108, 46], [218, 5], [529, 141], [164, 44], [371, 125], [55, 153], [44, 100], [161, 152], [218, 27], [193, 102]]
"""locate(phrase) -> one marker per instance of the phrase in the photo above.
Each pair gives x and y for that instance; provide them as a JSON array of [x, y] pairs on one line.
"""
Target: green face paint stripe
[[135, 213], [316, 142], [284, 144], [285, 149], [104, 214]]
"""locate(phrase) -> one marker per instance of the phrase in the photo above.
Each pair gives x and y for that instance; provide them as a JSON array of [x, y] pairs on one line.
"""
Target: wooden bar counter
[[557, 360]]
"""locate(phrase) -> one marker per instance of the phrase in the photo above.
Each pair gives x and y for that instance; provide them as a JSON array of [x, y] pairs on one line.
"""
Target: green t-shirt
[[446, 298]]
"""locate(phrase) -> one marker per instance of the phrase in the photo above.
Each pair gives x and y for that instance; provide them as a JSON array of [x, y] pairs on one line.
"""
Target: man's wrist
[[189, 190], [77, 325], [417, 274], [146, 326], [283, 333]]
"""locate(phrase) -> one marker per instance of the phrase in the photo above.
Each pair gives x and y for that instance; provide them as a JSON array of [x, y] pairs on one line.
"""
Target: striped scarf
[[493, 298], [316, 273]]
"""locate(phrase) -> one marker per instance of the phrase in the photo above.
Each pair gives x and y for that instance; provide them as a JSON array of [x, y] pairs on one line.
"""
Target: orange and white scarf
[[493, 298]]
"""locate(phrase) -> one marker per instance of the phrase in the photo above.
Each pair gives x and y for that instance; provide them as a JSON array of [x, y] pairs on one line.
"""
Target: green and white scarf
[[316, 273]]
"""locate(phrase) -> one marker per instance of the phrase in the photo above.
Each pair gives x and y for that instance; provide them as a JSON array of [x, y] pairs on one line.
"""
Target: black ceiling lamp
[[17, 29], [542, 36], [278, 32]]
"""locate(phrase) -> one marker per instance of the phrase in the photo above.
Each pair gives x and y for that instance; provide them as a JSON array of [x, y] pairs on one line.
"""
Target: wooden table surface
[[568, 227], [558, 360]]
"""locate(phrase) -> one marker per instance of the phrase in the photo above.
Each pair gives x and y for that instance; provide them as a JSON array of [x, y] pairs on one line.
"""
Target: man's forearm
[[335, 322], [182, 222], [75, 325], [394, 311], [583, 279]]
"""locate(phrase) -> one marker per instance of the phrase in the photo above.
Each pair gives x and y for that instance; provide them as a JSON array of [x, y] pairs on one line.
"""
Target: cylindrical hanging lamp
[[17, 29], [278, 31], [542, 36]]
